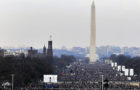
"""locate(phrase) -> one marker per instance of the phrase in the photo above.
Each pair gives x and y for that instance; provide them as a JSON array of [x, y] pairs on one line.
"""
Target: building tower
[[1, 52], [50, 48], [44, 51], [93, 35], [32, 52]]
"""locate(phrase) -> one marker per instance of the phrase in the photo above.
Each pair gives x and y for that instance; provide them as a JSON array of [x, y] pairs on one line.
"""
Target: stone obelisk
[[93, 35]]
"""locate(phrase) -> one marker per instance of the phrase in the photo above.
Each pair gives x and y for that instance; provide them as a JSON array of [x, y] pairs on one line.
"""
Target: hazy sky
[[30, 22]]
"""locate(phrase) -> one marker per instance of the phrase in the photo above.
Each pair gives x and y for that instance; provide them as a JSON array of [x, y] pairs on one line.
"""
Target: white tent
[[115, 64], [129, 78], [119, 68], [121, 74], [112, 64], [131, 72], [123, 68], [126, 72]]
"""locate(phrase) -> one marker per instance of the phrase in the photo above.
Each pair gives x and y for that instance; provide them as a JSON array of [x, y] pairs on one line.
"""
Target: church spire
[[44, 50]]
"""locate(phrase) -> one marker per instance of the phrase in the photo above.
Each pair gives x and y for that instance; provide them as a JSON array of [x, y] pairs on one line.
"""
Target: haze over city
[[69, 45], [30, 22]]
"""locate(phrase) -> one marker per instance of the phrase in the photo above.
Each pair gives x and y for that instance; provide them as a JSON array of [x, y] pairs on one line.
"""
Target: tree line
[[27, 70]]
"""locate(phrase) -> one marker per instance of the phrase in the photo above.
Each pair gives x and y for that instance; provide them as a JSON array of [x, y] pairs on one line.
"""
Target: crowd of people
[[83, 76]]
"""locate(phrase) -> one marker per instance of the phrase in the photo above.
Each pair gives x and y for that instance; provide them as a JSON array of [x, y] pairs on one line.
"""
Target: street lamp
[[102, 82], [12, 81]]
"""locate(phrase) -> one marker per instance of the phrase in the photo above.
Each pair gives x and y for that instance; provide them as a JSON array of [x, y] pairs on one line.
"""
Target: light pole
[[12, 81], [102, 82]]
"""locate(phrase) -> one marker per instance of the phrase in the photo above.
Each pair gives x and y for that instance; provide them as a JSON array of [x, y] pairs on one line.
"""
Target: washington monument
[[93, 35]]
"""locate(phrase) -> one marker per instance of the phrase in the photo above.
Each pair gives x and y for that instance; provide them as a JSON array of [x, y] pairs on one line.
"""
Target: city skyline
[[27, 23]]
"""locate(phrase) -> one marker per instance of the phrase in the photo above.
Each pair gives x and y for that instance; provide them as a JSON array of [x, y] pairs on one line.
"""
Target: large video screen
[[50, 79]]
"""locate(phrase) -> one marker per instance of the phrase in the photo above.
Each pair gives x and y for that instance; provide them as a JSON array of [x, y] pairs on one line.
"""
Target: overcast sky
[[30, 22]]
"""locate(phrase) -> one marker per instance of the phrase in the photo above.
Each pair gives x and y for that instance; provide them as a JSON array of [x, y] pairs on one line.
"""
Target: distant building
[[50, 49], [44, 51], [17, 53], [1, 52], [32, 53]]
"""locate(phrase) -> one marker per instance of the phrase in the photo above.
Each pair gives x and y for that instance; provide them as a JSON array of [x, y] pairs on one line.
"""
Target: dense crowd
[[82, 76]]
